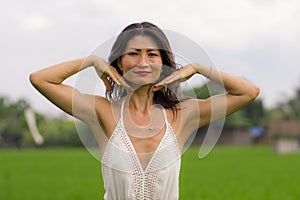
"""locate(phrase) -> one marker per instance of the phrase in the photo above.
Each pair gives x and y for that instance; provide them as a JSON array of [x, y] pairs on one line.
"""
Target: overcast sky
[[255, 39]]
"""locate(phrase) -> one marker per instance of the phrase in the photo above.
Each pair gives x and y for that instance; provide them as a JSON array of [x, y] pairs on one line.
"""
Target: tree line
[[14, 130]]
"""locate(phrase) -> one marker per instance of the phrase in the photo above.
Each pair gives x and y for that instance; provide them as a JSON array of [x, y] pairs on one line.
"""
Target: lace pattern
[[121, 155]]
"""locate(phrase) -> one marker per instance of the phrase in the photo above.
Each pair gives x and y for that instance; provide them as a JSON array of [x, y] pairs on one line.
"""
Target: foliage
[[288, 109], [59, 132], [12, 122], [14, 130], [254, 114]]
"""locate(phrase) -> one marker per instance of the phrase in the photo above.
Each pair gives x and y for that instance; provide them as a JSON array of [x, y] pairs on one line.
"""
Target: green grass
[[42, 174], [241, 173], [233, 173]]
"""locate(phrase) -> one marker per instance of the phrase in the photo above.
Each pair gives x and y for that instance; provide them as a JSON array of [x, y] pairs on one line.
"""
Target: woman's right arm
[[49, 82]]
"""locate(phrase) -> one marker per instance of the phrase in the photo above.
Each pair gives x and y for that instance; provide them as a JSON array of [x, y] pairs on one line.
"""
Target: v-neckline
[[136, 154]]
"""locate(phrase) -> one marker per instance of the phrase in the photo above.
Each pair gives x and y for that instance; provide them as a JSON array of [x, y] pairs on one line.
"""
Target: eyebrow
[[147, 49]]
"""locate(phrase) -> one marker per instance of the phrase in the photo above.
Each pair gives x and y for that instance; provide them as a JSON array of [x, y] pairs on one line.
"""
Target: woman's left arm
[[239, 92]]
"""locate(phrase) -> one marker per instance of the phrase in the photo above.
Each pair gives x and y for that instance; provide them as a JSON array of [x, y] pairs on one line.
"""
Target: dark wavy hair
[[166, 97]]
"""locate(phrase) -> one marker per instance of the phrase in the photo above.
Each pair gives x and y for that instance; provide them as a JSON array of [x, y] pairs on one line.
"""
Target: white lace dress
[[125, 179]]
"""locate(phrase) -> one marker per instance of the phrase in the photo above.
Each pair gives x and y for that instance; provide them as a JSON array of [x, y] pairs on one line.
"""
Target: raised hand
[[177, 77], [104, 70]]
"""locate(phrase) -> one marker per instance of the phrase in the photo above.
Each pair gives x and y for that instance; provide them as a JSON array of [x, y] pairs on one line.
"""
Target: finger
[[114, 76], [168, 80], [107, 84], [171, 85], [157, 88], [175, 84], [160, 85], [104, 77], [172, 81], [119, 79]]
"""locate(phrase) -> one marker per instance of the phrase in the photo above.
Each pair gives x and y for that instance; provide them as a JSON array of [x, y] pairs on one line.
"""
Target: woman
[[145, 123]]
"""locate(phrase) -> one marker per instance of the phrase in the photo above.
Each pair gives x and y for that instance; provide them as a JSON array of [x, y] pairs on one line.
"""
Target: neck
[[141, 99]]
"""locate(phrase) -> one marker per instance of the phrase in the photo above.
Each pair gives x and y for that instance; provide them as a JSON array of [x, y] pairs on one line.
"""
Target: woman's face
[[141, 62]]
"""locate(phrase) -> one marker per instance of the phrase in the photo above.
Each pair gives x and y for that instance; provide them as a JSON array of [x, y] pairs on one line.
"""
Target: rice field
[[228, 172]]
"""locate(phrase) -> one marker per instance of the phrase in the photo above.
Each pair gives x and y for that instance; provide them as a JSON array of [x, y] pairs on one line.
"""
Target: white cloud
[[36, 23], [251, 35], [234, 24]]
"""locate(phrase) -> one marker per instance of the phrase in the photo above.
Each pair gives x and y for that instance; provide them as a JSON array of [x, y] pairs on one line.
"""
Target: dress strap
[[165, 115], [122, 109]]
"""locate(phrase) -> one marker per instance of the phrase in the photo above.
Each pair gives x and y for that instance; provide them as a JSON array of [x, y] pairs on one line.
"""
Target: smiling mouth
[[142, 73]]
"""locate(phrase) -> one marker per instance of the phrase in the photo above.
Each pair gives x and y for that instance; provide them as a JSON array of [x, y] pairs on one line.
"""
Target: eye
[[152, 54], [132, 53]]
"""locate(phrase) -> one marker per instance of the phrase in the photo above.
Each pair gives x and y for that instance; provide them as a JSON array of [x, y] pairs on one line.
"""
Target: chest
[[143, 153], [148, 141]]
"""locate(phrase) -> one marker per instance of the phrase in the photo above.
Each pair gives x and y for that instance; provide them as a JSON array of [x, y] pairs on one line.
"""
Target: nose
[[143, 62]]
